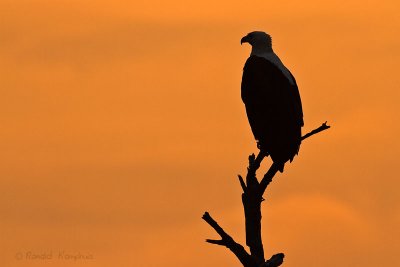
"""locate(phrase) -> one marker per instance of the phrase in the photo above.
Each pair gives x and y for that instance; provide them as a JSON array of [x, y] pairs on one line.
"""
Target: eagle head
[[258, 39]]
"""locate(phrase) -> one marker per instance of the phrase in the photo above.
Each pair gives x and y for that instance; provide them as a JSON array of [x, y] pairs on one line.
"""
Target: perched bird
[[272, 100]]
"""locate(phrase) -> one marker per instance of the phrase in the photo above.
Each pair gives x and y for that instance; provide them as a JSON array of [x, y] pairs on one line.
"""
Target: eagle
[[273, 105]]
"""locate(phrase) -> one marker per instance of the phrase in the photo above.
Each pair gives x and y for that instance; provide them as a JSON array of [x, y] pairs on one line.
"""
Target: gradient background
[[121, 123]]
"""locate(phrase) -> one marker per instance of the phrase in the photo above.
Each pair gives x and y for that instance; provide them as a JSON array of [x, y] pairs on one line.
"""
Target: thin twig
[[242, 183], [315, 131]]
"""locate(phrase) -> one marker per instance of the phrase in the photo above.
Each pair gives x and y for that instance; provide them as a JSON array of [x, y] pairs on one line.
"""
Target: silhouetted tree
[[252, 196]]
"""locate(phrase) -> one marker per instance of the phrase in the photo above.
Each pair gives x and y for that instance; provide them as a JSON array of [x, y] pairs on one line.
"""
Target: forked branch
[[252, 197], [227, 241]]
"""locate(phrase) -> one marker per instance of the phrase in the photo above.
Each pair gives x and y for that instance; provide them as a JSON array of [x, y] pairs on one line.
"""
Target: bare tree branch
[[242, 183], [256, 162], [252, 197], [268, 177], [228, 242], [252, 211], [275, 261], [315, 131]]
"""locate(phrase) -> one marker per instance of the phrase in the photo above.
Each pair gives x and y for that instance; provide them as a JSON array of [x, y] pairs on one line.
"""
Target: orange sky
[[122, 123]]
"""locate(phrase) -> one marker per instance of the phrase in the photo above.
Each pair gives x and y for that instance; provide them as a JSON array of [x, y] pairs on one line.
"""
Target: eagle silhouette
[[272, 100]]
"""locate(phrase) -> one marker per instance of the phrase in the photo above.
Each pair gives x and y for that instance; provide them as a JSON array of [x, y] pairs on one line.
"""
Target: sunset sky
[[121, 123]]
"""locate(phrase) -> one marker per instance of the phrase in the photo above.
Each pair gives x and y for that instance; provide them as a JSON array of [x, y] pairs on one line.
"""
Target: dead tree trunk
[[252, 196]]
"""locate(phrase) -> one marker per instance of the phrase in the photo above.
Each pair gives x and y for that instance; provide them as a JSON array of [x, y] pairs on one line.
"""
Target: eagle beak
[[244, 39]]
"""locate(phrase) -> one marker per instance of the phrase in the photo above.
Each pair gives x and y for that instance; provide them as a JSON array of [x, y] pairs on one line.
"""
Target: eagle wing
[[273, 108]]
